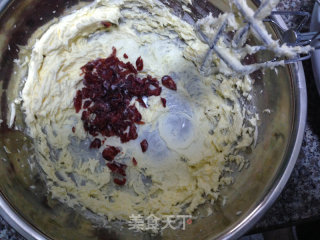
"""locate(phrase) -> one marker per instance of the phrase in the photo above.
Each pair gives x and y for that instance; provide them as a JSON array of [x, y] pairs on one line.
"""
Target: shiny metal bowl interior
[[36, 215]]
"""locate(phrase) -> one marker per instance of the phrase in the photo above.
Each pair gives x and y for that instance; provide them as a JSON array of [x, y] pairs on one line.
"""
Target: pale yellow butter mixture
[[190, 141]]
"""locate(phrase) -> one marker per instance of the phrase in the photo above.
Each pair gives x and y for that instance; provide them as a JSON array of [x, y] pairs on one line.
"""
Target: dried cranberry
[[110, 152], [113, 54], [134, 161], [78, 101], [125, 56], [85, 115], [131, 68], [106, 24], [144, 145], [113, 167], [86, 104], [119, 181], [142, 103], [168, 82], [96, 143], [164, 102], [117, 168], [139, 64]]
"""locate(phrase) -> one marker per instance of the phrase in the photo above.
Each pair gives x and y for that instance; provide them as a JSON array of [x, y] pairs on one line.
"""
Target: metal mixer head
[[295, 46]]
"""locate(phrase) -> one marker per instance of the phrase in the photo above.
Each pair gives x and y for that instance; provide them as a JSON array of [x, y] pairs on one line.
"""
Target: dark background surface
[[299, 203]]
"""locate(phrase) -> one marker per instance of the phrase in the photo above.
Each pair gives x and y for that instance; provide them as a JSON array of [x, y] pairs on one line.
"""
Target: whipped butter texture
[[190, 141]]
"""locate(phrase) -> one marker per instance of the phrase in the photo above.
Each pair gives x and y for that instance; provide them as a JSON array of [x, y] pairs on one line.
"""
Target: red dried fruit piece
[[131, 68], [164, 102], [85, 115], [112, 167], [134, 161], [86, 104], [144, 145], [113, 54], [110, 152], [117, 168], [125, 56], [78, 101], [168, 82], [96, 143], [131, 135], [106, 24], [120, 182], [73, 129], [142, 103], [139, 64]]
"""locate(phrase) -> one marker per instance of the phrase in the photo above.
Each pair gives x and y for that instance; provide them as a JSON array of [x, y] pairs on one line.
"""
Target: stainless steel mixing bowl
[[35, 215]]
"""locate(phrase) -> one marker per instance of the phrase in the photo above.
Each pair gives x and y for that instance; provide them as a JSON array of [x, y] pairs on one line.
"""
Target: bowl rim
[[300, 114], [7, 212], [300, 117]]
